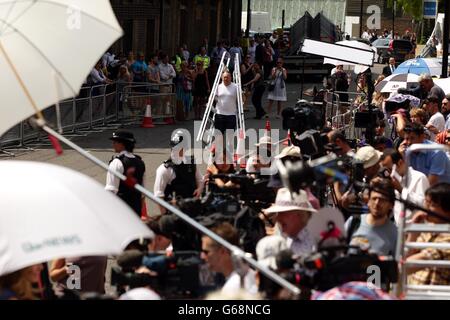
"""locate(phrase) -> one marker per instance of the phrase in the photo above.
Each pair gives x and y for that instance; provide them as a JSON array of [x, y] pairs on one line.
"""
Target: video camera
[[304, 121], [177, 275], [368, 119], [328, 268], [239, 205]]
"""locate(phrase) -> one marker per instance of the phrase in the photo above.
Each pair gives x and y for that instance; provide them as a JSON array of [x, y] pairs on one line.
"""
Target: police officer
[[130, 165], [178, 176]]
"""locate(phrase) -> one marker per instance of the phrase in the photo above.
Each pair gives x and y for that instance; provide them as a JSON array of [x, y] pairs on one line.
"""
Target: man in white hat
[[371, 159], [292, 213], [290, 153]]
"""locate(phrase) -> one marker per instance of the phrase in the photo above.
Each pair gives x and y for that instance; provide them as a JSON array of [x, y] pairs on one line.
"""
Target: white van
[[260, 23]]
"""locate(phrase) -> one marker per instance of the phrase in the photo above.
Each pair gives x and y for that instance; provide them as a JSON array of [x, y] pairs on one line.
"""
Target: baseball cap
[[291, 151], [268, 248], [369, 156], [285, 201]]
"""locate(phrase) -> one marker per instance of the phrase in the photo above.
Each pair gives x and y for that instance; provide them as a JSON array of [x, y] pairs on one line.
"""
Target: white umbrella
[[397, 81], [444, 84], [353, 44], [49, 44], [50, 212]]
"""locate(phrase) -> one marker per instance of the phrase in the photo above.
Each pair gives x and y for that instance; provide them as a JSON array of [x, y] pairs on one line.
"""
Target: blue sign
[[430, 9]]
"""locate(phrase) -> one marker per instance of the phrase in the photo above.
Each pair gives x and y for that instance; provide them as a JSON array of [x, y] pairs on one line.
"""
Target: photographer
[[261, 162], [436, 123], [219, 259], [337, 138], [418, 182], [433, 163], [375, 229], [370, 159], [339, 82], [221, 165]]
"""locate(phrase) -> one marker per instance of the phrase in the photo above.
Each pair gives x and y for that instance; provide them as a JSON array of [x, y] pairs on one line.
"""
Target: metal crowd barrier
[[341, 114], [137, 96], [95, 109]]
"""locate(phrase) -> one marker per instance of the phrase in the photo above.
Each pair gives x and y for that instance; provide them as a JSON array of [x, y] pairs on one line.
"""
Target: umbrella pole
[[21, 83], [236, 251]]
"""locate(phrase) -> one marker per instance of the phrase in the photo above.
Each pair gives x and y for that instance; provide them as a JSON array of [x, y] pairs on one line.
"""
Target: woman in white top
[[279, 77]]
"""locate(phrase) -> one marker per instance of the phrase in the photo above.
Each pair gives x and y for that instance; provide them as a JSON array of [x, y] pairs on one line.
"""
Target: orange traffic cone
[[287, 141], [169, 120], [144, 213], [148, 120]]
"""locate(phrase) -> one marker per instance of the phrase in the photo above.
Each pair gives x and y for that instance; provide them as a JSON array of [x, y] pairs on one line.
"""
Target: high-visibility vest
[[178, 64], [204, 59]]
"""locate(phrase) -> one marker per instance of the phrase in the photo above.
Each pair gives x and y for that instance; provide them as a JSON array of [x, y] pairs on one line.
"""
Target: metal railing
[[96, 109]]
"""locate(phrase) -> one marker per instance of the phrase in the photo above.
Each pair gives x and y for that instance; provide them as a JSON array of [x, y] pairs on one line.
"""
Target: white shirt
[[227, 99], [166, 73], [112, 182], [97, 76], [392, 67], [233, 283], [303, 244], [107, 59], [437, 120], [250, 166], [414, 192], [447, 123], [165, 176]]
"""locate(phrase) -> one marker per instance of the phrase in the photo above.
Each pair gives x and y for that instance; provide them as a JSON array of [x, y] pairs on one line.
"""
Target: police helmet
[[123, 136], [177, 138]]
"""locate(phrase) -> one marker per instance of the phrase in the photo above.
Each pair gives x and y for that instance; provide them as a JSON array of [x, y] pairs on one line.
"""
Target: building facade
[[401, 20], [150, 25]]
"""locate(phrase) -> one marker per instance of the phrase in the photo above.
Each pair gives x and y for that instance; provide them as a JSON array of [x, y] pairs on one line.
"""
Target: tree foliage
[[411, 7]]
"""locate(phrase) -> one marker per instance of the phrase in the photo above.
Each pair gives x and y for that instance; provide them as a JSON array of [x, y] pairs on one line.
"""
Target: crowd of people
[[418, 117], [190, 74]]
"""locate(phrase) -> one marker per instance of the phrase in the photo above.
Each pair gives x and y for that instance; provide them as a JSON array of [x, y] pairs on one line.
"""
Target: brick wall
[[183, 21]]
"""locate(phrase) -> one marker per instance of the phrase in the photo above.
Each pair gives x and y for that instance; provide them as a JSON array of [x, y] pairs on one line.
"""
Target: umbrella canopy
[[354, 44], [51, 212], [353, 291], [397, 81], [43, 42], [419, 66]]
